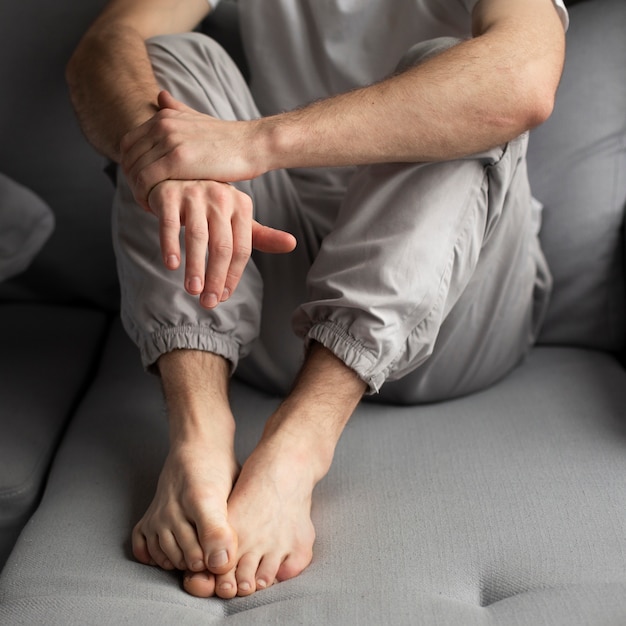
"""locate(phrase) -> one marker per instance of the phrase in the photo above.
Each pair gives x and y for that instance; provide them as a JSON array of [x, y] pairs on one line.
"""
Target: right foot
[[185, 526]]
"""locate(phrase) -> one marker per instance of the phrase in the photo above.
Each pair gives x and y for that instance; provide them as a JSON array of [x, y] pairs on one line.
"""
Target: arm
[[112, 86], [479, 94], [113, 90]]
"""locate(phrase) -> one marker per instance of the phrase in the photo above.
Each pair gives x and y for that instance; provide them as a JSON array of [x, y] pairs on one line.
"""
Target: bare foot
[[270, 505], [186, 526]]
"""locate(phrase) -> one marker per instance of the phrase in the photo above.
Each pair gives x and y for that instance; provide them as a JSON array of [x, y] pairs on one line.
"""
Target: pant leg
[[432, 276], [157, 312]]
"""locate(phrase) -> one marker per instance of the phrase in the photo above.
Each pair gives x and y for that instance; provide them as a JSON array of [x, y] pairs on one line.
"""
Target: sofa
[[505, 507]]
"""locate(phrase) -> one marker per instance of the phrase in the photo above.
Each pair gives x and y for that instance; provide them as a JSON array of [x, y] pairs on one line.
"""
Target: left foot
[[270, 507]]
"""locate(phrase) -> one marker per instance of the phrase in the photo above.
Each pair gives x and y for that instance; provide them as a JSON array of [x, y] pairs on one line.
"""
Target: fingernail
[[209, 300], [225, 295], [172, 261], [217, 559], [194, 284]]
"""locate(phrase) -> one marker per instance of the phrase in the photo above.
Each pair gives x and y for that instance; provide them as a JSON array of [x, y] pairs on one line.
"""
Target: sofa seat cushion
[[503, 507], [46, 356]]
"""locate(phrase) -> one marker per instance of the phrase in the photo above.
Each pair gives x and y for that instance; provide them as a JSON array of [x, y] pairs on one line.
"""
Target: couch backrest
[[577, 167], [42, 148]]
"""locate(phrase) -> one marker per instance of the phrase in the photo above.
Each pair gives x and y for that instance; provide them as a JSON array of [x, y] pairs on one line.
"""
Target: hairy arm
[[114, 90], [478, 94], [111, 82]]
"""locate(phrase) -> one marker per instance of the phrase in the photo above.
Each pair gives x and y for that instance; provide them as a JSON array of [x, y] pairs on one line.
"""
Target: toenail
[[261, 584], [245, 586], [226, 586], [217, 559], [197, 565]]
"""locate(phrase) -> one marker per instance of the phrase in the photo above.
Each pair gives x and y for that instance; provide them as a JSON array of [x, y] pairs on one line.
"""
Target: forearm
[[110, 77], [111, 93], [472, 97]]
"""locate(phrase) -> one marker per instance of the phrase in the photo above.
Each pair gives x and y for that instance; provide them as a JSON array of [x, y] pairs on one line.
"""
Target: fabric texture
[[583, 147], [26, 223], [505, 507], [380, 286], [44, 150], [51, 351]]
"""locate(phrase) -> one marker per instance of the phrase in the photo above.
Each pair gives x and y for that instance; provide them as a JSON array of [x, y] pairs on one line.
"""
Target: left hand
[[181, 143]]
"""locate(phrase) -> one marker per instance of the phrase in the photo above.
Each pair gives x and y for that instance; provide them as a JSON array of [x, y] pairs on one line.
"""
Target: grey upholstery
[[51, 352], [505, 507]]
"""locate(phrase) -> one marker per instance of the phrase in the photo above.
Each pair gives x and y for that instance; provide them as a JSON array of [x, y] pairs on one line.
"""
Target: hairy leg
[[270, 504], [186, 525]]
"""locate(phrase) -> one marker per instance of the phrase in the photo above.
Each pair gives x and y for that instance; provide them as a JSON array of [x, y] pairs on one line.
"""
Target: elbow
[[539, 108]]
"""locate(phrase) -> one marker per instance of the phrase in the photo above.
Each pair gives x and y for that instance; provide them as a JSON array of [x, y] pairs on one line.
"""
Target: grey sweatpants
[[426, 279]]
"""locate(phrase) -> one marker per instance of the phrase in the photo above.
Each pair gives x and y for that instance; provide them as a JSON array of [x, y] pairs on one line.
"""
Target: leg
[[186, 526], [192, 349], [432, 274], [447, 246]]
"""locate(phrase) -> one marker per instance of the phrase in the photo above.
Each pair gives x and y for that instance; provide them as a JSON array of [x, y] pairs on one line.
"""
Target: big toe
[[220, 548], [199, 584]]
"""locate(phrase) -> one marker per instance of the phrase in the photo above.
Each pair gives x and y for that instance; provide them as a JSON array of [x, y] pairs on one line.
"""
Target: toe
[[156, 552], [172, 550], [293, 566], [226, 585], [246, 574], [220, 548], [199, 584], [192, 554], [266, 572], [140, 547]]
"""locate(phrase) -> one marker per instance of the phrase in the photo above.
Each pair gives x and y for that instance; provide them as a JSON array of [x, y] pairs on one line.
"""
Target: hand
[[182, 144], [217, 217]]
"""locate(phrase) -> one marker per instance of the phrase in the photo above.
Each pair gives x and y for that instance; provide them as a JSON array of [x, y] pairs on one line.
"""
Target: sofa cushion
[[577, 167], [47, 355], [26, 222], [505, 507]]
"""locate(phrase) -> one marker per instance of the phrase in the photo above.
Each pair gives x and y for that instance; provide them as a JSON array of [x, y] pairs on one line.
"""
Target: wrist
[[274, 145]]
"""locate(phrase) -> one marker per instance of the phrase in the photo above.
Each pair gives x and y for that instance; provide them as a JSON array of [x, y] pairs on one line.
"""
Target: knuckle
[[222, 249], [169, 222], [196, 232], [242, 253]]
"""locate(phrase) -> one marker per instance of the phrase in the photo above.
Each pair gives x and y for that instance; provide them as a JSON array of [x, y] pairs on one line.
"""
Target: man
[[397, 163]]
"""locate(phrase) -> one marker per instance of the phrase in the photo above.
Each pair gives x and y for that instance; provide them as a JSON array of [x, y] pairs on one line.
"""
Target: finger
[[167, 101], [220, 257], [272, 240], [166, 206], [242, 246], [196, 242]]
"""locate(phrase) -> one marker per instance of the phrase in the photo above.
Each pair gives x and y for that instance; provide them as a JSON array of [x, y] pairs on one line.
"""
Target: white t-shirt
[[303, 50]]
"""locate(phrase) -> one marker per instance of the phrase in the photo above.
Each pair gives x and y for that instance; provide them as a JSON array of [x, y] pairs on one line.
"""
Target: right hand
[[217, 218]]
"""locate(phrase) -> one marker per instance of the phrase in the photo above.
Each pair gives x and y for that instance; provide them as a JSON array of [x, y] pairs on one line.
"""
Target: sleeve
[[563, 14], [559, 5]]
